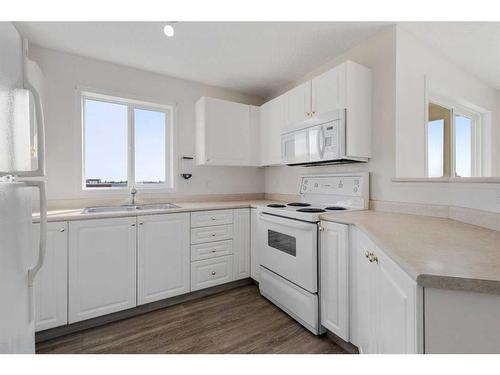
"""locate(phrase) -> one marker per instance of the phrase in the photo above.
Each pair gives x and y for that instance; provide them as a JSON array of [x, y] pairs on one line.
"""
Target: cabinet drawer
[[215, 217], [211, 234], [211, 250], [211, 272]]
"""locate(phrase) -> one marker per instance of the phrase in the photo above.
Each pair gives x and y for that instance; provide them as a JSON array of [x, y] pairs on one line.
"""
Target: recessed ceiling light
[[169, 30]]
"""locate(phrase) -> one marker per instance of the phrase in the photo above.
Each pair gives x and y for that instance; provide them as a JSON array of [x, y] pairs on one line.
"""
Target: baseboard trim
[[347, 346], [53, 333]]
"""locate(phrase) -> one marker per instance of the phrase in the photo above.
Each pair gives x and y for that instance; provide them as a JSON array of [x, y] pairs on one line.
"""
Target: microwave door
[[316, 144]]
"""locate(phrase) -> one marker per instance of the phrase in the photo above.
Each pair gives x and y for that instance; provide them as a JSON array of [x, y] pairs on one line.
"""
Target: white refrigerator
[[22, 166]]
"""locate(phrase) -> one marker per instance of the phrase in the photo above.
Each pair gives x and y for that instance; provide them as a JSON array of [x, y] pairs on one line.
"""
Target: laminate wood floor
[[235, 321]]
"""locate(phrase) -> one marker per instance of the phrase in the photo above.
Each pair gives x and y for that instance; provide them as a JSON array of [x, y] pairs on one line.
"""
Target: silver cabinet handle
[[321, 229], [141, 223], [213, 218], [214, 234], [62, 230], [133, 225], [213, 251], [213, 273]]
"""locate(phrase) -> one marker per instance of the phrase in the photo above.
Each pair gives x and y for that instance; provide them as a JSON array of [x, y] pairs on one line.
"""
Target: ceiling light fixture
[[169, 30]]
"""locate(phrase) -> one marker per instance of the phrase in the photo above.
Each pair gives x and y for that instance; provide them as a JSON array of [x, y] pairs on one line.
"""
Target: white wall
[[64, 72], [379, 53], [416, 64]]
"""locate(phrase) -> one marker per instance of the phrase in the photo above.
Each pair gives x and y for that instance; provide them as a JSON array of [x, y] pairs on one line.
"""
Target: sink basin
[[128, 208], [93, 210], [156, 206]]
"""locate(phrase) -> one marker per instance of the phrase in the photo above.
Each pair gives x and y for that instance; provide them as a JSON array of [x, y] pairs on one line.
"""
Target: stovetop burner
[[298, 204], [276, 205], [311, 210], [335, 208]]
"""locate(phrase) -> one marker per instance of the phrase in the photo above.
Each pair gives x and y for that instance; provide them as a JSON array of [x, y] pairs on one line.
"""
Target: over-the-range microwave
[[318, 141]]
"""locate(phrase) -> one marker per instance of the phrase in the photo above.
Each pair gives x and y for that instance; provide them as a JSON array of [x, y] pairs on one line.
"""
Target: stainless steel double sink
[[129, 208]]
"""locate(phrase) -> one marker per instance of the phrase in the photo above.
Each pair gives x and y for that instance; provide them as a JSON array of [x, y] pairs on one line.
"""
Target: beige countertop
[[436, 252], [76, 213]]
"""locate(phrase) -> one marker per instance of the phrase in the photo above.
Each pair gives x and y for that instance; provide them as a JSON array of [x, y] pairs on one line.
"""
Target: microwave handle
[[321, 142]]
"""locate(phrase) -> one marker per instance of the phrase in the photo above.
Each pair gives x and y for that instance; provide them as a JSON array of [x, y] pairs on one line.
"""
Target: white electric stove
[[288, 241]]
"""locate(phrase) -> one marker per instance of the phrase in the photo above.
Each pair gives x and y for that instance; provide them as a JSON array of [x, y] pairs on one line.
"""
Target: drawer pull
[[62, 230], [214, 234], [213, 218], [213, 251], [213, 273]]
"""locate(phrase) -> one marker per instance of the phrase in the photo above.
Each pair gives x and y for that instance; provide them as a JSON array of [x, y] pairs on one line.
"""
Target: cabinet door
[[227, 133], [51, 283], [254, 245], [397, 313], [328, 91], [334, 279], [163, 256], [271, 123], [365, 295], [102, 267], [241, 243], [297, 106]]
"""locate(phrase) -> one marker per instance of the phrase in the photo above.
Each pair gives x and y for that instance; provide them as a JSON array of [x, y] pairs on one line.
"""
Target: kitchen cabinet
[[51, 282], [254, 245], [386, 313], [271, 124], [344, 92], [163, 256], [226, 133], [297, 105], [102, 267], [334, 278], [211, 272], [241, 243]]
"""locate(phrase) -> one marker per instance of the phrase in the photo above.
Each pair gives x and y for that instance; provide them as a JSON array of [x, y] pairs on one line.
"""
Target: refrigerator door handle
[[43, 229], [40, 134]]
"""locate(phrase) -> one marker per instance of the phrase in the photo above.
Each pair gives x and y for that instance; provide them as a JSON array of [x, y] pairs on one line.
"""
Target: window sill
[[466, 180]]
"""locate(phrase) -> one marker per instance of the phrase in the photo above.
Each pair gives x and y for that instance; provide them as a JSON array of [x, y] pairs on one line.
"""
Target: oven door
[[289, 249]]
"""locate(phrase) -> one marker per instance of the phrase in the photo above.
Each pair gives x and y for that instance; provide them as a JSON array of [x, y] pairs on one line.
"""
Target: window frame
[[450, 143], [170, 184]]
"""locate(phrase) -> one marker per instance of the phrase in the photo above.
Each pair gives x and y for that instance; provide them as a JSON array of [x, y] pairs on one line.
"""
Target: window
[[126, 143], [453, 148]]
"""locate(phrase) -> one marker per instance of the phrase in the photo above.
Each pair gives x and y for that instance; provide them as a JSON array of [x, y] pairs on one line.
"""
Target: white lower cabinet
[[254, 245], [102, 267], [241, 243], [51, 282], [334, 278], [386, 310], [211, 272], [162, 256]]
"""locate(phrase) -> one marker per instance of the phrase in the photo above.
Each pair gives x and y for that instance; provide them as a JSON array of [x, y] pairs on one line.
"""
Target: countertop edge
[[75, 214], [422, 279]]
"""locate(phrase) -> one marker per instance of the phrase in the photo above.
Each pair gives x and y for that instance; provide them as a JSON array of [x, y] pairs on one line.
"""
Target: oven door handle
[[287, 222]]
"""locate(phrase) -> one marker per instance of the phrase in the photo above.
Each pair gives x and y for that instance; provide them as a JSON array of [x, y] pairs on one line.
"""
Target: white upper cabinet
[[297, 105], [163, 252], [327, 91], [51, 283], [344, 92], [226, 133], [102, 267], [271, 123]]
